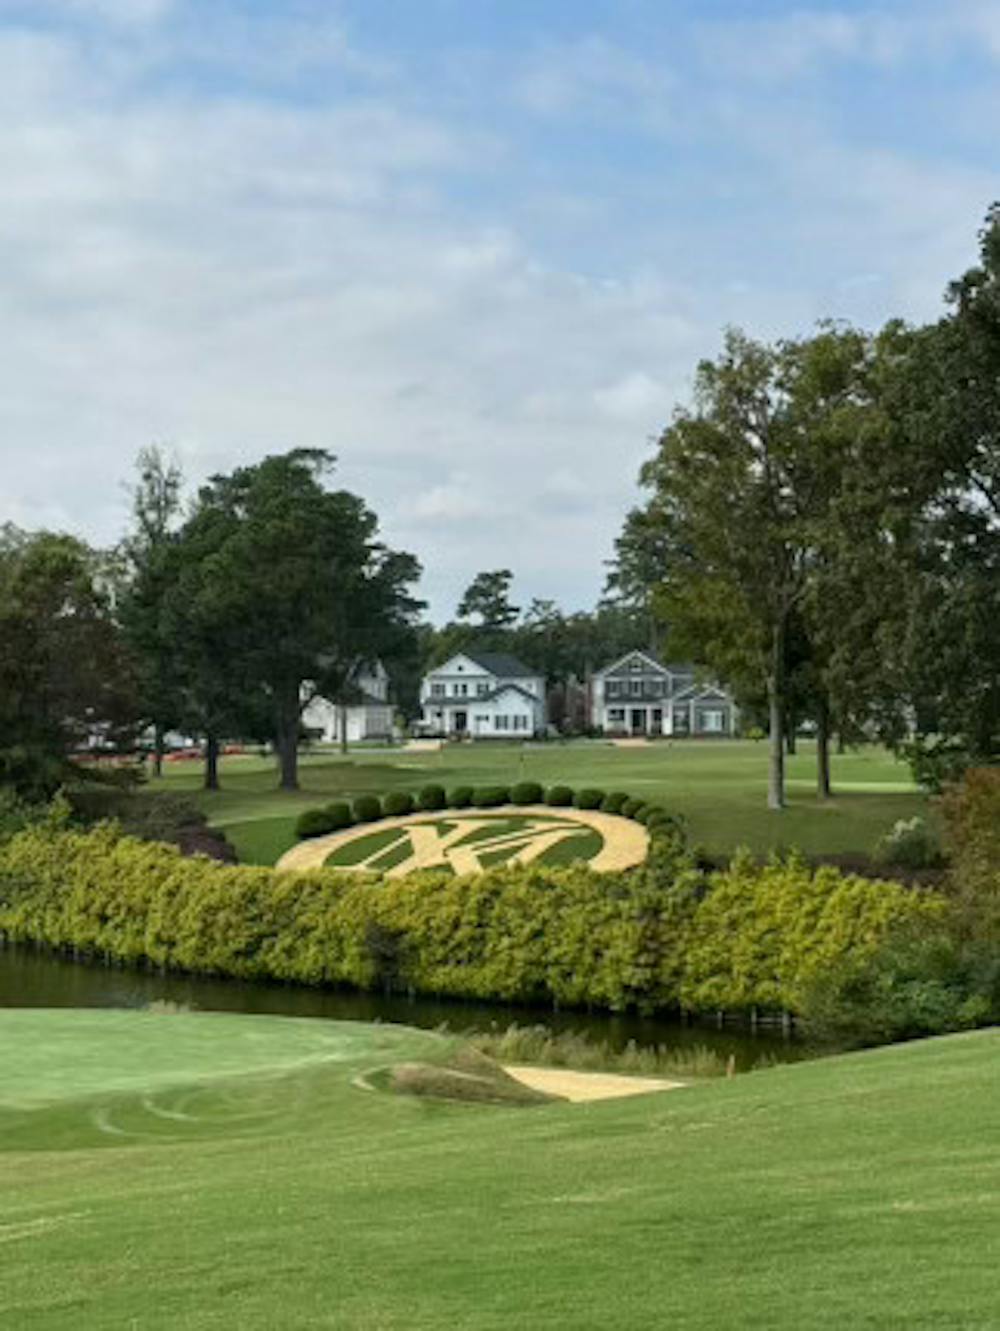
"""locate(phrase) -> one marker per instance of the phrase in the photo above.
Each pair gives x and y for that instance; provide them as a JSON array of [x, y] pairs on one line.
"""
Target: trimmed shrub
[[650, 812], [490, 797], [631, 808], [559, 797], [314, 822], [397, 804], [339, 815], [527, 792], [460, 797], [432, 797], [613, 803], [589, 798], [367, 809], [760, 936]]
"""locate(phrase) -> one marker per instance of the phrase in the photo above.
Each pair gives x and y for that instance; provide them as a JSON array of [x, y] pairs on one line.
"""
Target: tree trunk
[[776, 708], [823, 787], [791, 739], [343, 727], [286, 734], [157, 749], [211, 762]]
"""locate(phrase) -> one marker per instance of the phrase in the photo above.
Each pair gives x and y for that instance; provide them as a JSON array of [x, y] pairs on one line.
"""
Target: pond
[[31, 978]]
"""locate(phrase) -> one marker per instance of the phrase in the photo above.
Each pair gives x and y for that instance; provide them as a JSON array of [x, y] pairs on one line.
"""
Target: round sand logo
[[469, 841]]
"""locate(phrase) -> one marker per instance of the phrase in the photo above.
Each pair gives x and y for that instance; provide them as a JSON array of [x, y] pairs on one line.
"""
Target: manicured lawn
[[719, 787], [215, 1171]]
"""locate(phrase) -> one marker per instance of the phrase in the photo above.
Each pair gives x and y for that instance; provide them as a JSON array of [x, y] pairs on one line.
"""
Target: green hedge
[[397, 804], [648, 938], [589, 799], [559, 797], [490, 797], [432, 797], [527, 792]]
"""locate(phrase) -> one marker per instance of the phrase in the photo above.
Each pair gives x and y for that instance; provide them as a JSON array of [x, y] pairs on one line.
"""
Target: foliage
[[911, 844], [581, 1051], [460, 797], [488, 599], [65, 677], [367, 809], [490, 797], [397, 804], [762, 934], [613, 803], [914, 983], [647, 938], [559, 796], [161, 816], [527, 792], [972, 833], [339, 813], [432, 797], [631, 807], [314, 822], [589, 798]]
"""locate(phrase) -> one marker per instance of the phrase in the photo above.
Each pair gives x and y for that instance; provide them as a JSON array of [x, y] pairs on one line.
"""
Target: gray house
[[639, 695]]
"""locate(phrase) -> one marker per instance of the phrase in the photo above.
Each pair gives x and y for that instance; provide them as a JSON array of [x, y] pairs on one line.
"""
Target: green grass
[[214, 1171], [720, 788]]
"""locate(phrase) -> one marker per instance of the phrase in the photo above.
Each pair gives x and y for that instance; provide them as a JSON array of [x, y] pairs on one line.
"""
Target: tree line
[[821, 527]]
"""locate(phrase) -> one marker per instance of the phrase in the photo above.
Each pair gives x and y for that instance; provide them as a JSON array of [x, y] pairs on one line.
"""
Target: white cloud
[[593, 76]]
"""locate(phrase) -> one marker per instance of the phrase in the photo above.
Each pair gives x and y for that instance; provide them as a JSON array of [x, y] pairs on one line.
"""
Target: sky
[[475, 248]]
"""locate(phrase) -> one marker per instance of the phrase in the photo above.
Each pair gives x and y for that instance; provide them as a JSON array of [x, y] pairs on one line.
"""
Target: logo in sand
[[468, 842]]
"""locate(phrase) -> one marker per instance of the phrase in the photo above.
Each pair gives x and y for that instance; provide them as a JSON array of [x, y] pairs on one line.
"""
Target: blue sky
[[475, 247]]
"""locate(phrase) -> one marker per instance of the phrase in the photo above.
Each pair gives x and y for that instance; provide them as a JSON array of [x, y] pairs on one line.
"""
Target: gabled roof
[[695, 692], [645, 657], [507, 688], [500, 664]]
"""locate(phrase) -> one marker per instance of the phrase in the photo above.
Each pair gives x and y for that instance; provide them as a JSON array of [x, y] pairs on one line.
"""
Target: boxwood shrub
[[340, 815], [460, 797], [527, 792], [314, 822], [367, 809], [490, 797], [397, 804], [631, 807], [432, 797], [588, 798], [613, 803], [559, 797]]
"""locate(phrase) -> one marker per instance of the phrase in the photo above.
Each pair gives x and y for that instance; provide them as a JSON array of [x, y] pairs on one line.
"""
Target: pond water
[[30, 978]]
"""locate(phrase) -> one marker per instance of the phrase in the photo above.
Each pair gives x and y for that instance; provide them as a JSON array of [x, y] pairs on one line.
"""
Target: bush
[[972, 835], [367, 809], [650, 812], [490, 797], [527, 792], [559, 797], [339, 815], [397, 804], [910, 845], [519, 933], [314, 822], [613, 803], [589, 798], [631, 808], [460, 797], [432, 797]]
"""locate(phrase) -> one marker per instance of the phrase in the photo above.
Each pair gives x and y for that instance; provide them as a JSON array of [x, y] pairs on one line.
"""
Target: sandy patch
[[581, 1086]]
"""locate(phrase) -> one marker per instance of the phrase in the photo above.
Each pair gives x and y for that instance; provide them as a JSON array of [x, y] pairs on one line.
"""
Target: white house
[[367, 715], [483, 694], [638, 695]]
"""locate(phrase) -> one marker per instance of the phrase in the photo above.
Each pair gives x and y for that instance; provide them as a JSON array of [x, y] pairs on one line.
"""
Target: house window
[[612, 688], [437, 690], [501, 722], [482, 690], [520, 722], [461, 690], [637, 688], [713, 720], [616, 714]]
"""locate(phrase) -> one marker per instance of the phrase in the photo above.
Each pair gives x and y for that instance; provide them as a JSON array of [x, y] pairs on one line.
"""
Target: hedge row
[[653, 938], [396, 804]]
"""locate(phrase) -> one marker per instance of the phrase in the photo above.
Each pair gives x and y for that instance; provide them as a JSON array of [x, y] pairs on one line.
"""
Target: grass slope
[[719, 786], [861, 1191]]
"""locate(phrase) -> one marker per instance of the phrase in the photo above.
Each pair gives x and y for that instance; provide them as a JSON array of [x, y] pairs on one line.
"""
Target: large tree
[[486, 600], [286, 587], [65, 678], [147, 556]]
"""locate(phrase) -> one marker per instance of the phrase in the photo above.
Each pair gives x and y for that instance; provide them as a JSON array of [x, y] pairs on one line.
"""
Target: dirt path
[[580, 1086]]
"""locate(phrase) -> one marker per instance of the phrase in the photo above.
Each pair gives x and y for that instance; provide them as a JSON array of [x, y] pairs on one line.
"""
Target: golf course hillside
[[168, 1170]]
